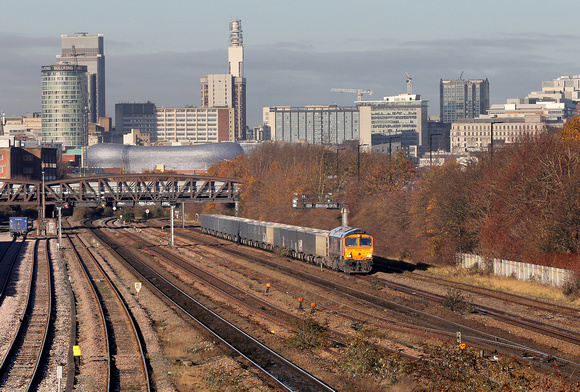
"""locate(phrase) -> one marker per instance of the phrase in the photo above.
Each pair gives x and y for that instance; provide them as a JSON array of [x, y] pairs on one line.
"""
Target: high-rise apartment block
[[229, 90], [63, 104], [463, 98], [88, 50]]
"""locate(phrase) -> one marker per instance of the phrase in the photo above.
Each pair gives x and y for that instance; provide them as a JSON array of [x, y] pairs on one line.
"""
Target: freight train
[[19, 226], [345, 249]]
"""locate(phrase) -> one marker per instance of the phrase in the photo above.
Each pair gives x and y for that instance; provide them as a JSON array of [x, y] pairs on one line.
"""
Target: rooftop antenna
[[461, 75]]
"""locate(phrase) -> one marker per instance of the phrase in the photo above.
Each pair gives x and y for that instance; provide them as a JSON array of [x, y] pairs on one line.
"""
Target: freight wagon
[[19, 226], [343, 249]]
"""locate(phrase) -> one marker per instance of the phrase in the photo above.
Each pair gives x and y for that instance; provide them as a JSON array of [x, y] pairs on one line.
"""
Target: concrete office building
[[463, 98], [401, 118], [24, 128], [550, 112], [473, 135], [63, 103], [229, 90], [88, 50], [328, 124], [189, 125], [564, 88]]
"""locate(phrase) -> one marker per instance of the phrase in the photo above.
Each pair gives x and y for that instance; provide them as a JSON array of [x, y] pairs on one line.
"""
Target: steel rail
[[127, 314], [274, 370], [30, 338], [101, 313]]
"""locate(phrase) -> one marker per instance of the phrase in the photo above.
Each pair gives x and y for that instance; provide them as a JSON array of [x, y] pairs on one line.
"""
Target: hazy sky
[[295, 51]]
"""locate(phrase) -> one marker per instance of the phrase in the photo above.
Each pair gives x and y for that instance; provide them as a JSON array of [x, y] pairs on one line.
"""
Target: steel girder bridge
[[123, 190]]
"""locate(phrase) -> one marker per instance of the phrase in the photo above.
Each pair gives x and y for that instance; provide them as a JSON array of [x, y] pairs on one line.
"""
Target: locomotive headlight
[[349, 255]]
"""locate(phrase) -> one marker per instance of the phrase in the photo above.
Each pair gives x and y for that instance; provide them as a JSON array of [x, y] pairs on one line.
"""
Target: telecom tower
[[229, 90], [236, 49]]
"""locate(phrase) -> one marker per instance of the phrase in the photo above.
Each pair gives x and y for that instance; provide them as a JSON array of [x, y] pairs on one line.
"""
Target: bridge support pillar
[[237, 207]]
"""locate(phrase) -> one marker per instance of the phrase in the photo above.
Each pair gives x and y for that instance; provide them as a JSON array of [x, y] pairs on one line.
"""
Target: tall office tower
[[63, 104], [463, 98], [88, 50], [229, 90]]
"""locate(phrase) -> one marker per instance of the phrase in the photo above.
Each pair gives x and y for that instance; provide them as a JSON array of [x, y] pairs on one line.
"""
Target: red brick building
[[18, 163]]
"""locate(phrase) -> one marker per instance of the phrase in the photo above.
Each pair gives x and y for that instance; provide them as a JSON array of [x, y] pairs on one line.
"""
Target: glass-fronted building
[[64, 105]]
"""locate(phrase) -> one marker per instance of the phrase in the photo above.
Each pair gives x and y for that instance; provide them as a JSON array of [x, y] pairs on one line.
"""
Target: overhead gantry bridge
[[123, 190]]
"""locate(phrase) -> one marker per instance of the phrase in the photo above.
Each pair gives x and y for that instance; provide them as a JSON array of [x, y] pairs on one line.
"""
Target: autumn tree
[[527, 200], [379, 201], [441, 211]]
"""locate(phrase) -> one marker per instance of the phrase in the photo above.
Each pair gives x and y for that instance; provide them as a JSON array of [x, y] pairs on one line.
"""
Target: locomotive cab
[[351, 249]]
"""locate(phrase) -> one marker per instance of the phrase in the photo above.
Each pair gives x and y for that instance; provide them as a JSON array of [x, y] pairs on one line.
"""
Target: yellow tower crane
[[358, 92]]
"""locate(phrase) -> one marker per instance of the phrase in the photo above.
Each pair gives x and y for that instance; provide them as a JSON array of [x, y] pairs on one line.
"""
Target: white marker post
[[138, 288], [59, 375]]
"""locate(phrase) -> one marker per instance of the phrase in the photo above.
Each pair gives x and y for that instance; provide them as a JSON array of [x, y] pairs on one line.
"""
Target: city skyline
[[296, 52]]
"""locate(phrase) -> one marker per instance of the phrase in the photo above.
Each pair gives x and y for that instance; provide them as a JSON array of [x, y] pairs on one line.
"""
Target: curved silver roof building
[[135, 159]]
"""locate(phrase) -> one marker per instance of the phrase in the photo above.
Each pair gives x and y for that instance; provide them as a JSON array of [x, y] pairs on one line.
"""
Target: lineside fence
[[521, 271]]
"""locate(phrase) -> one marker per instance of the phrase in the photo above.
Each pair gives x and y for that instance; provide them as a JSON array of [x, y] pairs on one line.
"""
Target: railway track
[[19, 367], [280, 371], [124, 366], [7, 263], [534, 325], [234, 293], [486, 340], [531, 303]]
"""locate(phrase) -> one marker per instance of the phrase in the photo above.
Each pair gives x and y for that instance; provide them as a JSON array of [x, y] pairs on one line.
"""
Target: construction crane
[[358, 92], [409, 84], [74, 55]]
